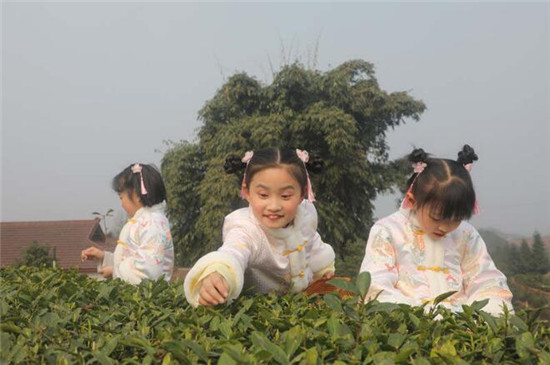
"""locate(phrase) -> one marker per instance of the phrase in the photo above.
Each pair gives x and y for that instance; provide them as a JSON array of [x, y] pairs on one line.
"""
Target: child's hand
[[328, 275], [91, 253], [107, 272], [214, 290]]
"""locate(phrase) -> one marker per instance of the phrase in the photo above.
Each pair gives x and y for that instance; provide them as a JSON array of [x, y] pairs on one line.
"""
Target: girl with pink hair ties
[[427, 248], [272, 245], [144, 249]]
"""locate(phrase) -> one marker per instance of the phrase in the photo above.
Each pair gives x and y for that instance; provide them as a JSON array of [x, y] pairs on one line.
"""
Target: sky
[[88, 88]]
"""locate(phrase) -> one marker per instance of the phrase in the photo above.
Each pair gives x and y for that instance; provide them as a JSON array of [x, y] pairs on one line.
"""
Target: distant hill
[[495, 239], [545, 240]]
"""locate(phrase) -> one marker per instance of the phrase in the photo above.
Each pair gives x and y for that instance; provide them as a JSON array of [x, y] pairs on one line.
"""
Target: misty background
[[88, 88]]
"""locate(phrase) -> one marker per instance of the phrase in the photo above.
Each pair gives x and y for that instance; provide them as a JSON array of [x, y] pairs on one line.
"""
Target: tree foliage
[[36, 255], [341, 114], [541, 264], [526, 268]]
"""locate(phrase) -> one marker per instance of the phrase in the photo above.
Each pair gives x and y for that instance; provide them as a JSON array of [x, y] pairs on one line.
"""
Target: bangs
[[453, 201]]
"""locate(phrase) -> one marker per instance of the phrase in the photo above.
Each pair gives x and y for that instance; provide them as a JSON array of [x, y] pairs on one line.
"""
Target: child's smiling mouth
[[273, 216]]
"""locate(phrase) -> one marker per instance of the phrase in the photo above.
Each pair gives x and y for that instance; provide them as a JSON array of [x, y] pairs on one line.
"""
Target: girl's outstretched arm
[[229, 262], [91, 253]]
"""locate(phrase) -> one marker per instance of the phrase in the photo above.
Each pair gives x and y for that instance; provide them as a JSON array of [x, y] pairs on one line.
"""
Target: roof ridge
[[53, 221]]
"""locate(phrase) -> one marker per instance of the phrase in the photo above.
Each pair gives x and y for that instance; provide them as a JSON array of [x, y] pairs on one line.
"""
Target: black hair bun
[[418, 155], [467, 155], [315, 163], [233, 164]]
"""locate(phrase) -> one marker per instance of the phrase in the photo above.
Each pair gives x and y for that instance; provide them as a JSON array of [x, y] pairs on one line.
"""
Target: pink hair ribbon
[[468, 168], [246, 159], [418, 167], [304, 156], [137, 169]]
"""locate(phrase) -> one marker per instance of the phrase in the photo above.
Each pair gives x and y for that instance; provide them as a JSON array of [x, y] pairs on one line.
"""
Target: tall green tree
[[541, 264], [341, 114], [37, 255], [514, 261], [525, 257]]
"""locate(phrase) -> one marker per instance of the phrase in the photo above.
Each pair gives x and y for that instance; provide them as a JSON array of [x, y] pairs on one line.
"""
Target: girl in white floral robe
[[426, 248], [144, 249], [408, 266], [272, 245]]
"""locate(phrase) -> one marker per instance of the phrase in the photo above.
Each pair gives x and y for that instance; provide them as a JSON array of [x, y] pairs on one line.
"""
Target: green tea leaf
[[477, 305], [333, 302], [516, 321], [177, 349], [10, 328], [102, 358], [525, 344], [259, 340], [226, 359], [312, 356], [490, 320], [443, 296], [344, 285], [196, 348], [395, 340], [363, 283]]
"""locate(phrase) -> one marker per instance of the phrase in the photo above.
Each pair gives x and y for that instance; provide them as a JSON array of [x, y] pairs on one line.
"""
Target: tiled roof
[[68, 237]]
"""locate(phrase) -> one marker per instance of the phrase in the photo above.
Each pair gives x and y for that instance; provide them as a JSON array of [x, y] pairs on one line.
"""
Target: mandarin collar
[[412, 220], [155, 208]]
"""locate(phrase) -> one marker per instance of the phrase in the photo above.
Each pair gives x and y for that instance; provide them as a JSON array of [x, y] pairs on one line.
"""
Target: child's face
[[131, 204], [274, 196], [432, 225]]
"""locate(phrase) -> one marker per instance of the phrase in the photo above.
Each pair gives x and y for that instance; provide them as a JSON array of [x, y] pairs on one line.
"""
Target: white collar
[[160, 207]]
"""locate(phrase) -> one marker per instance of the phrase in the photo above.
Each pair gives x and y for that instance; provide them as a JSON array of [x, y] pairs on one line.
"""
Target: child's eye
[[286, 196], [263, 195]]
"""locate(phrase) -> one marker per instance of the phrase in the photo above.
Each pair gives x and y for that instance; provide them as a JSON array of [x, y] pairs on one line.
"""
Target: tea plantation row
[[55, 316]]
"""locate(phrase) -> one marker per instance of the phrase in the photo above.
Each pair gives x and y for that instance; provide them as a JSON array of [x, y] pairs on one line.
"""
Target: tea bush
[[55, 316]]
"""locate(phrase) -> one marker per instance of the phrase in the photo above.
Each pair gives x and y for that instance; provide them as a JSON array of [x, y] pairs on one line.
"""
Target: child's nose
[[445, 226], [274, 204]]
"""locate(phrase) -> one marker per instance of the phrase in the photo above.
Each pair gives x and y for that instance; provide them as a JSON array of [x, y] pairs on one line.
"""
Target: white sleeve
[[482, 280], [230, 261], [380, 262], [320, 255], [108, 260]]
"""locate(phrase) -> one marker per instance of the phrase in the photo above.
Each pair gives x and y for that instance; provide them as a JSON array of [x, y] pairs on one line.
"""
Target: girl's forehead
[[274, 177]]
